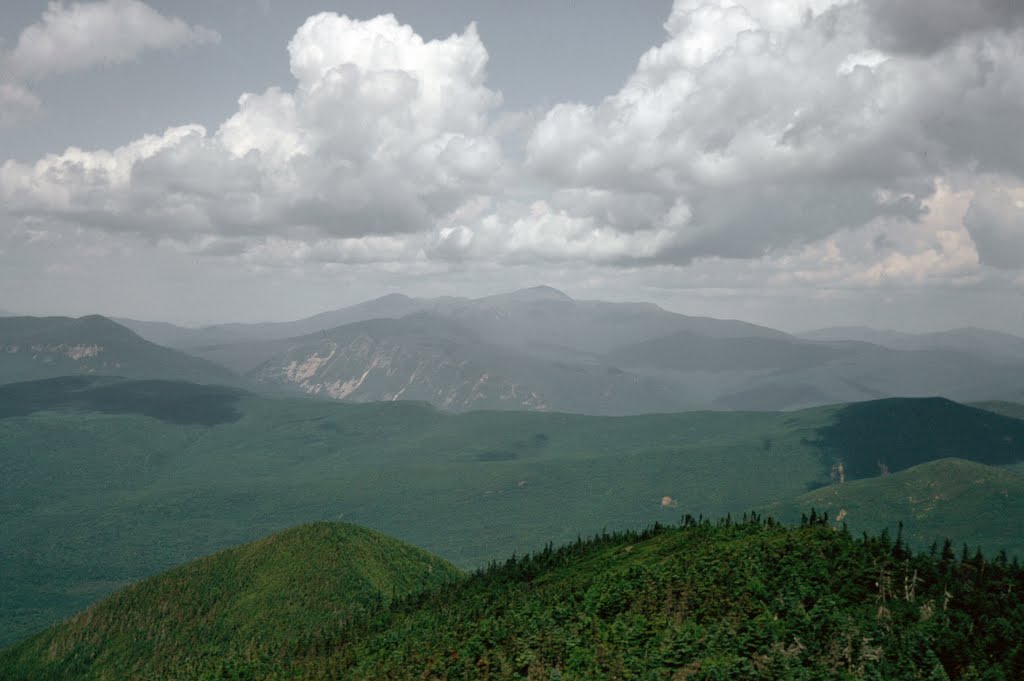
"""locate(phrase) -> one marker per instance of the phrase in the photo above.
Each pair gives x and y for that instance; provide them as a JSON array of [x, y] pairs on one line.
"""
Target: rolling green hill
[[886, 436], [980, 505], [261, 599], [747, 600], [106, 482], [41, 347]]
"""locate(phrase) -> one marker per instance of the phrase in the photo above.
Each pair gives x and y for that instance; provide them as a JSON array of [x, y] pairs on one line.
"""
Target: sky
[[795, 163]]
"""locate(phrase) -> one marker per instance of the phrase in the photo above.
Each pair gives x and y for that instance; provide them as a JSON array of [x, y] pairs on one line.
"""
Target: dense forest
[[731, 599]]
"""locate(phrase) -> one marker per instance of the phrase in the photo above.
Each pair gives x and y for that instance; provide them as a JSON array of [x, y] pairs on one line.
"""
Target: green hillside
[[976, 504], [886, 436], [107, 482], [747, 600], [33, 348], [260, 600]]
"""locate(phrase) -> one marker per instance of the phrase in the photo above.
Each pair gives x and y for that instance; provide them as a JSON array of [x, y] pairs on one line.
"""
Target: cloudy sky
[[797, 163]]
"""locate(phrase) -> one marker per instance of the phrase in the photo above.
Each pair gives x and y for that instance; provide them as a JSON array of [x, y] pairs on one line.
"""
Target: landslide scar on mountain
[[169, 401]]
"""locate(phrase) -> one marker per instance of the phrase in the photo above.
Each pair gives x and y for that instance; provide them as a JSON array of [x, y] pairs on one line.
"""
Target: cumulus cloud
[[995, 220], [83, 35], [760, 125], [384, 133], [763, 140]]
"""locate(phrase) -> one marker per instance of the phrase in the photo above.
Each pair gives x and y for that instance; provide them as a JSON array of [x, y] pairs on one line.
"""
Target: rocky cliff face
[[53, 352], [365, 368], [42, 347]]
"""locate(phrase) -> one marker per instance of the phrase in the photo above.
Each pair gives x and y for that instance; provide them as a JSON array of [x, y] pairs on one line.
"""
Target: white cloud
[[765, 143], [83, 35], [773, 124], [996, 223], [384, 134]]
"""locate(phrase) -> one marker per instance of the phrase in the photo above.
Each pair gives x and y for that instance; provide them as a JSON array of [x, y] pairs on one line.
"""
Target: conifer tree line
[[732, 598]]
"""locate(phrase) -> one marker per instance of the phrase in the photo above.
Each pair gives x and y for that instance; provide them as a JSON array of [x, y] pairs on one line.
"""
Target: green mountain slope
[[980, 505], [729, 601], [258, 600], [886, 436], [105, 482], [40, 347]]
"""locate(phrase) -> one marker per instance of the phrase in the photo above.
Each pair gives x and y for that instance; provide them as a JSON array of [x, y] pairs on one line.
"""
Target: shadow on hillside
[[886, 436], [168, 401]]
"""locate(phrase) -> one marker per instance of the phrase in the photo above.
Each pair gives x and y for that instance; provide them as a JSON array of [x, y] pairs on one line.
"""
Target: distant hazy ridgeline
[[42, 347], [538, 349]]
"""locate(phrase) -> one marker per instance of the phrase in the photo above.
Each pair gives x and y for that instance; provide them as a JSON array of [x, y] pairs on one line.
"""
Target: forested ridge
[[747, 599]]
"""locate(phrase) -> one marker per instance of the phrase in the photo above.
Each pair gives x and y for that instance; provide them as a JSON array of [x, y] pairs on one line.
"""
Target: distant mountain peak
[[537, 293], [391, 297]]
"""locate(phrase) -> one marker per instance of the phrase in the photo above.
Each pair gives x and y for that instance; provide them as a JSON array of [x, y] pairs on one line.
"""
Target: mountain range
[[535, 349], [539, 349]]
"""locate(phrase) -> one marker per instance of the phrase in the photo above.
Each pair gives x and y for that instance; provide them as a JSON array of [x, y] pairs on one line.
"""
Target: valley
[[108, 481]]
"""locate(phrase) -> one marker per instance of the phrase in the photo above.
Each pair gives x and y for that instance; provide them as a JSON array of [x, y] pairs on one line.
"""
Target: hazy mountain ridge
[[435, 359], [555, 316], [419, 357], [390, 306], [973, 340], [540, 349], [454, 368], [40, 347]]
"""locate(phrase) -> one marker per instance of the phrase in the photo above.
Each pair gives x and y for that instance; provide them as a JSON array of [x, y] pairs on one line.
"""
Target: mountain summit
[[530, 295]]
